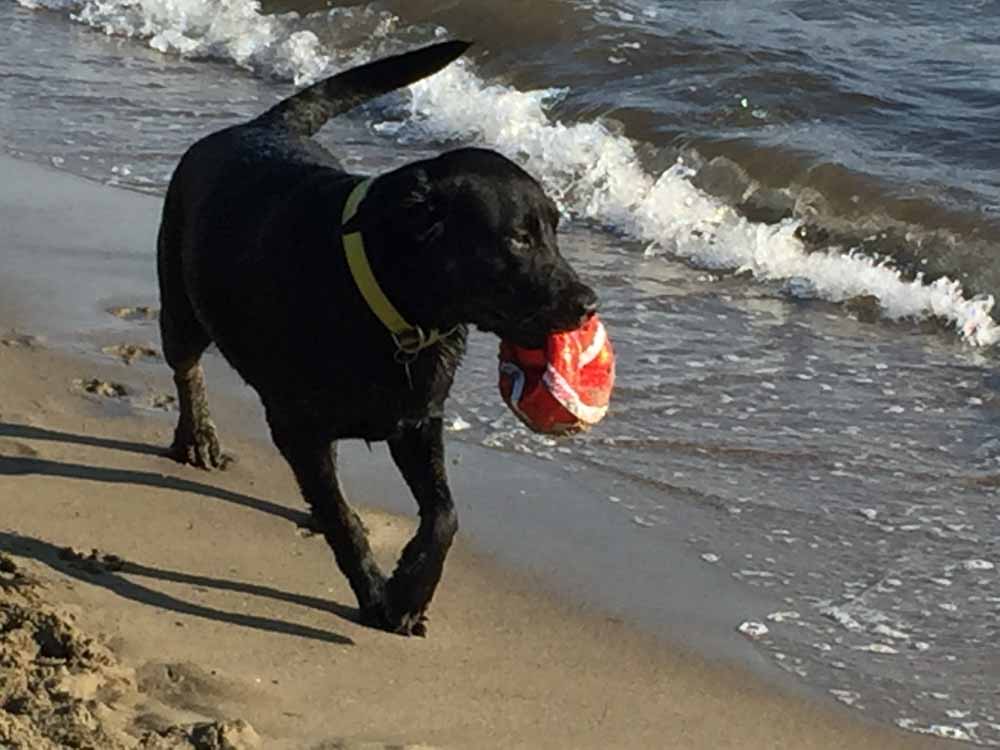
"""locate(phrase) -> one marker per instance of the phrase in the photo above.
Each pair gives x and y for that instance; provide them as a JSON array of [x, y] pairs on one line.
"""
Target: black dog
[[251, 255]]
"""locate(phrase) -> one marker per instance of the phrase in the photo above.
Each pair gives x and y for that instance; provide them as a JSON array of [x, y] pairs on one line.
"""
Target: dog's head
[[479, 234]]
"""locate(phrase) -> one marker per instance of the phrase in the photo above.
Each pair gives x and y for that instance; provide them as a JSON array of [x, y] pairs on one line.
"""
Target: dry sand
[[146, 604]]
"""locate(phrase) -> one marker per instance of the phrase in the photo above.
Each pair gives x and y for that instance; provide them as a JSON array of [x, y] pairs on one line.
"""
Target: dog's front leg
[[419, 454], [314, 462]]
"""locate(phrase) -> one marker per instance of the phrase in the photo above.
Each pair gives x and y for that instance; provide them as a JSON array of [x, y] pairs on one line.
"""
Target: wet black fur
[[250, 257]]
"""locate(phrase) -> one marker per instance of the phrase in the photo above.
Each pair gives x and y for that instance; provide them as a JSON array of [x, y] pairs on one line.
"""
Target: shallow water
[[848, 467]]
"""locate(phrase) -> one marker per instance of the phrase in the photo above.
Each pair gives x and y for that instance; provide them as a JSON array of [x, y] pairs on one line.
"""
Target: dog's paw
[[407, 616], [408, 598], [200, 447], [380, 617], [412, 623]]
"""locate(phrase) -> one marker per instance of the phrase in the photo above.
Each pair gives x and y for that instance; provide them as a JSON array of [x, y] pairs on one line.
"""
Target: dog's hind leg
[[313, 459], [419, 454], [184, 340], [196, 440]]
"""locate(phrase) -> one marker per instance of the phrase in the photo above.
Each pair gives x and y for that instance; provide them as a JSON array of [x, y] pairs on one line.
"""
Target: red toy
[[564, 387]]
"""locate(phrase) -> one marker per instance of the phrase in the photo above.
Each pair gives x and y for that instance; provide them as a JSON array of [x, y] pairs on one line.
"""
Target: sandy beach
[[152, 605]]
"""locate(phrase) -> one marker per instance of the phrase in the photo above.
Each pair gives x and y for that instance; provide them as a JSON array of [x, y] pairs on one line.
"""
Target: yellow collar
[[410, 340]]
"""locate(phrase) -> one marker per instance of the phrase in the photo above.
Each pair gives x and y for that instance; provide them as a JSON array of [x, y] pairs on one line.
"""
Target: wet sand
[[216, 603]]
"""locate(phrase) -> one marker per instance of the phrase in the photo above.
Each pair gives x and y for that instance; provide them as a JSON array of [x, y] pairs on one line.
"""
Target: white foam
[[978, 565], [596, 174], [783, 616], [458, 425], [753, 630], [877, 648], [848, 697], [233, 30], [592, 172], [938, 730]]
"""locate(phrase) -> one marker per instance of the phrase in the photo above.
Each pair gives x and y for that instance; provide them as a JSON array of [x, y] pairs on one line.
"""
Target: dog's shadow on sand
[[32, 465], [30, 432], [115, 580]]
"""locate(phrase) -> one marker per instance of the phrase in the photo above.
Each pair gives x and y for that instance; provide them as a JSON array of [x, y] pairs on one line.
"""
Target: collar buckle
[[410, 343]]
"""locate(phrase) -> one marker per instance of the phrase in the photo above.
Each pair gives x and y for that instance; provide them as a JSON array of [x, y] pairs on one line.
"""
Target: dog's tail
[[308, 110]]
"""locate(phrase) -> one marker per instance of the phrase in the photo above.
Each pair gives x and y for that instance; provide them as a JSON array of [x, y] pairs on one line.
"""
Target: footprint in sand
[[155, 400], [93, 562], [189, 687], [21, 340], [138, 312], [103, 388], [162, 401], [129, 353]]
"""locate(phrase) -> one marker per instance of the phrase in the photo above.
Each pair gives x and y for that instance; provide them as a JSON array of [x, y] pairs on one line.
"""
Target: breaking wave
[[591, 170]]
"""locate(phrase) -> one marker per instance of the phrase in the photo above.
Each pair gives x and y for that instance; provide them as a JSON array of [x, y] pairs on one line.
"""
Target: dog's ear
[[421, 212], [404, 204]]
